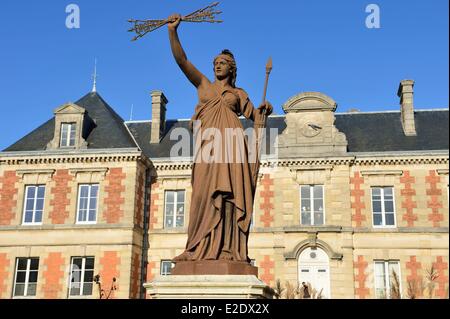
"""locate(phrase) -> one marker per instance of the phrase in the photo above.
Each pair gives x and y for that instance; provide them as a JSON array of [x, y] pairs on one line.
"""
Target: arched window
[[314, 268]]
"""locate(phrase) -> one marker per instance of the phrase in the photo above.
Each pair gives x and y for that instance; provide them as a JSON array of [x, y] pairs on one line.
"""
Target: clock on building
[[310, 129]]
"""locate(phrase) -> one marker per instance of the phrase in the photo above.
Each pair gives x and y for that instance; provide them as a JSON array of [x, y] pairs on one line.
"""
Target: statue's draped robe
[[223, 188]]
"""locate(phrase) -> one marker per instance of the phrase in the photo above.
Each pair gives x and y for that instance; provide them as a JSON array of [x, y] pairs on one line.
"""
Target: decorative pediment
[[89, 175], [313, 242], [69, 108], [35, 176], [310, 129], [309, 101]]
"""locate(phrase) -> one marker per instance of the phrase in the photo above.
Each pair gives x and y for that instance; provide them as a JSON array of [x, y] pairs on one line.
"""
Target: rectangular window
[[87, 204], [26, 277], [174, 209], [383, 207], [166, 267], [68, 133], [34, 205], [385, 272], [312, 205], [81, 276]]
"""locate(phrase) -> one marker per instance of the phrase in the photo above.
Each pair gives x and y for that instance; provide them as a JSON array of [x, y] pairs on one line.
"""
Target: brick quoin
[[135, 281], [266, 196], [434, 194], [267, 265], [151, 267], [53, 276], [361, 292], [140, 185], [441, 266], [414, 268], [153, 206], [407, 194], [114, 196], [110, 263], [4, 273], [8, 191], [61, 197], [357, 204]]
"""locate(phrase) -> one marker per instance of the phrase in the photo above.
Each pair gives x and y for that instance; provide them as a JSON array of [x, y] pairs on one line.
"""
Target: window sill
[[80, 297], [170, 231], [384, 227], [302, 228]]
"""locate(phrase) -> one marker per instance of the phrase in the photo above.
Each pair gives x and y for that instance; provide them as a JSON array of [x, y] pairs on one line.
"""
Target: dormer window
[[72, 126], [68, 134]]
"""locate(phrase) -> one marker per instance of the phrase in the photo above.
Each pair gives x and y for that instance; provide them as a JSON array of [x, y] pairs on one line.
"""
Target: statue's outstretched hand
[[266, 108], [174, 21]]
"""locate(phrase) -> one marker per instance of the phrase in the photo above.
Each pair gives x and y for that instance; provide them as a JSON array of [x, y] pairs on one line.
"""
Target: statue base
[[208, 287], [214, 267]]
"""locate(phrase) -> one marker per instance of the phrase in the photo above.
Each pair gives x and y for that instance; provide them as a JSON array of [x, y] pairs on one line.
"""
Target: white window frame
[[83, 272], [33, 223], [71, 126], [311, 199], [387, 277], [27, 278], [383, 210], [171, 267], [175, 203], [78, 222]]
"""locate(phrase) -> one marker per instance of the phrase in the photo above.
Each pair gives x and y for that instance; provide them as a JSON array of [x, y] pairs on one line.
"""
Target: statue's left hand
[[267, 107]]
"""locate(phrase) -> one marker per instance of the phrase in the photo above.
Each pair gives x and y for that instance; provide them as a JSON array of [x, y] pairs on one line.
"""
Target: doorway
[[314, 268]]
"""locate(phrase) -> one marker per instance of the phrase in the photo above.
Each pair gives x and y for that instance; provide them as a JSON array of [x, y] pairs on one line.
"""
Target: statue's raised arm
[[192, 73]]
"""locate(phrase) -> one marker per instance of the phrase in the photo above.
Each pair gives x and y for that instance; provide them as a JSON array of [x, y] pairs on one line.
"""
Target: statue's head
[[225, 66]]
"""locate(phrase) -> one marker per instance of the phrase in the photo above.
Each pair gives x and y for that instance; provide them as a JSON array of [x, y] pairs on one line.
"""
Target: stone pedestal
[[208, 287]]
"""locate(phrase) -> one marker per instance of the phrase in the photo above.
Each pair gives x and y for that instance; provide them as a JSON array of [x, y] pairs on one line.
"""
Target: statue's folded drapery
[[223, 190]]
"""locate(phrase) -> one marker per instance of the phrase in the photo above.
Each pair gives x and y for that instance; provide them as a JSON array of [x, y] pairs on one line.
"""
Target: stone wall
[[115, 240], [348, 236]]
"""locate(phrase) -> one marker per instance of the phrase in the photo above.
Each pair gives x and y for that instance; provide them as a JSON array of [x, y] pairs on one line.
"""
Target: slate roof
[[383, 132], [109, 131], [366, 132]]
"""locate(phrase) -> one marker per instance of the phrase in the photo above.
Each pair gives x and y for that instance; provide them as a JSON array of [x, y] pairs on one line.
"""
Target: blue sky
[[319, 45]]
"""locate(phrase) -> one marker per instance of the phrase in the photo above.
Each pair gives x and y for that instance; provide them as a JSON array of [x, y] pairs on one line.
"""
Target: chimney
[[159, 102], [406, 95]]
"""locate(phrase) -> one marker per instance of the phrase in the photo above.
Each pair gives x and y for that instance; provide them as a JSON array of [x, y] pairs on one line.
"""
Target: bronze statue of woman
[[222, 192]]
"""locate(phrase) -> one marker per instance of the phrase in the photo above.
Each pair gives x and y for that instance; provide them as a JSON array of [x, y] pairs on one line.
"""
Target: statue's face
[[222, 69]]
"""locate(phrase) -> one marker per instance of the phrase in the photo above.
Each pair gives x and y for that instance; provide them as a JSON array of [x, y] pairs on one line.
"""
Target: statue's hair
[[229, 57], [228, 52]]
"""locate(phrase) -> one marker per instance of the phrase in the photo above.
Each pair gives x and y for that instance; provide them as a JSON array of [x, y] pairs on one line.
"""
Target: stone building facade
[[344, 200]]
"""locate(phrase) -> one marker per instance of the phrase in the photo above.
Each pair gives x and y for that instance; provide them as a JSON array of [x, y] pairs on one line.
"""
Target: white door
[[305, 274], [313, 268]]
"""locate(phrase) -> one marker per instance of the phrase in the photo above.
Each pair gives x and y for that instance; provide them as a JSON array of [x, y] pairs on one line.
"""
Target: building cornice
[[167, 164], [402, 160], [310, 163], [71, 157]]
